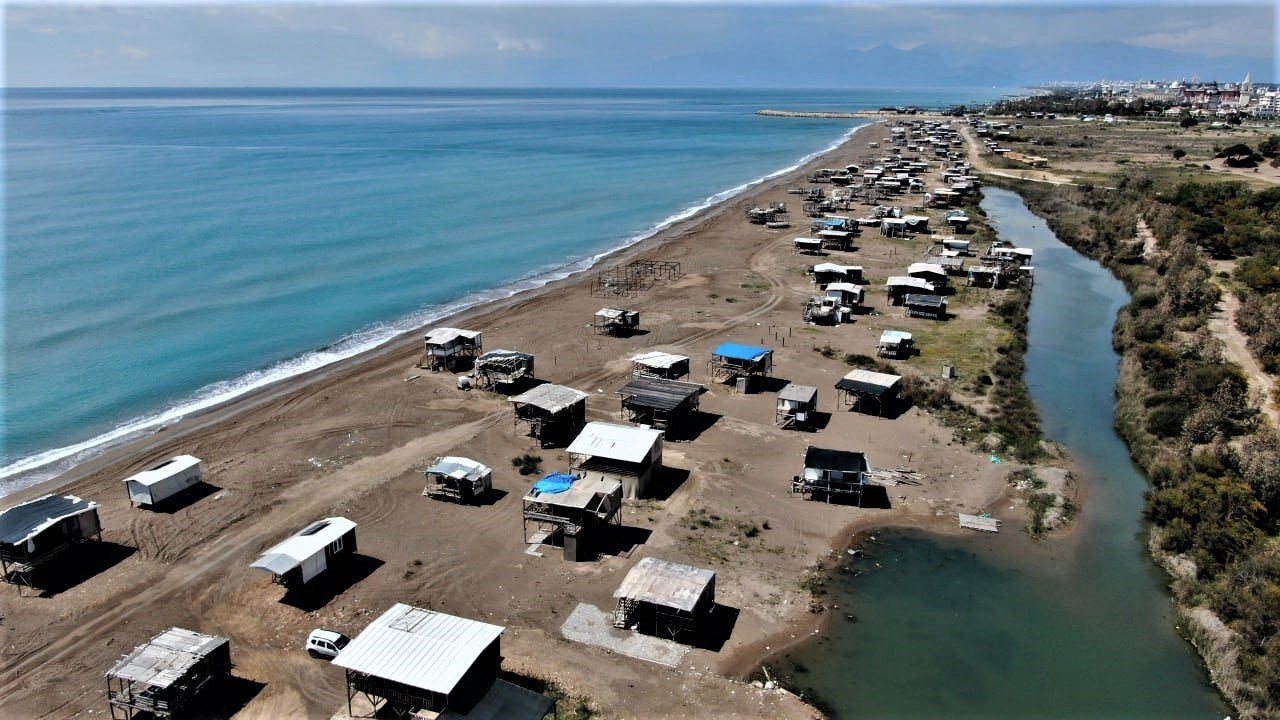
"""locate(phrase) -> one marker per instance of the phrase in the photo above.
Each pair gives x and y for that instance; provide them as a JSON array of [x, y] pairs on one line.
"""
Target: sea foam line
[[42, 466]]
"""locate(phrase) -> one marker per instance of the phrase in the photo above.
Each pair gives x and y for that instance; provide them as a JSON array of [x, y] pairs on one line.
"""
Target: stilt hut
[[446, 348], [163, 481], [953, 265], [894, 344], [733, 360], [502, 367], [315, 549], [840, 240], [899, 286], [832, 473], [932, 307], [34, 532], [659, 403], [665, 599], [893, 227], [165, 676], [553, 413], [457, 478], [660, 365], [796, 406], [574, 513], [413, 660], [615, 321], [863, 389], [629, 455], [824, 273], [957, 219]]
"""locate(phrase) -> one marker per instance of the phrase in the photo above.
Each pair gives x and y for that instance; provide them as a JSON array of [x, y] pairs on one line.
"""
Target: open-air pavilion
[[865, 389]]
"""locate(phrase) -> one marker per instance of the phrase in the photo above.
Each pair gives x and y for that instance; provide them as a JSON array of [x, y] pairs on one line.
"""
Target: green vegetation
[[527, 464]]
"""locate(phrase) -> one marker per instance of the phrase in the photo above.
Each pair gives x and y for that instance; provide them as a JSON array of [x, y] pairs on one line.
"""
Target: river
[[1002, 626]]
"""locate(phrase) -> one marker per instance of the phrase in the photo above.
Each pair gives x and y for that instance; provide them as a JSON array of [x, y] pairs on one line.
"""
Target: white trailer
[[164, 480]]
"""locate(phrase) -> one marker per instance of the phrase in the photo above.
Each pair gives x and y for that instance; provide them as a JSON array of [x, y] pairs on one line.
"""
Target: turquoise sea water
[[166, 250]]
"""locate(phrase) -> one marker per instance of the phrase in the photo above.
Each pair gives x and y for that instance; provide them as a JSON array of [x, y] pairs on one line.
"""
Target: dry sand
[[353, 439]]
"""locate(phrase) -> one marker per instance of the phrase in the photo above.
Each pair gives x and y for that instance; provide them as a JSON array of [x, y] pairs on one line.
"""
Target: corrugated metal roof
[[164, 470], [440, 336], [894, 336], [833, 267], [505, 701], [458, 467], [905, 281], [920, 267], [307, 542], [417, 647], [20, 523], [549, 397], [798, 393], [665, 583], [615, 442], [165, 658], [933, 301], [659, 393], [816, 458], [868, 382], [657, 359]]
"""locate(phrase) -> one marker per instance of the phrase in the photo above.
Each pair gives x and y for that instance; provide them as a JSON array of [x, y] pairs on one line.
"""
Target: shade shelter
[[310, 552], [457, 478], [659, 403], [164, 480], [730, 360], [563, 509], [824, 273], [665, 598], [807, 245], [415, 659], [835, 239], [796, 406], [627, 454], [164, 677], [828, 473], [932, 307], [951, 264], [445, 348], [502, 367], [34, 532], [961, 246], [553, 413], [660, 364], [865, 388], [894, 344], [615, 321]]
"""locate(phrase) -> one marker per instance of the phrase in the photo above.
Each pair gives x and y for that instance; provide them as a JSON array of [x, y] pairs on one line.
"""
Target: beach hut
[[824, 273], [314, 549], [660, 364], [796, 406], [411, 660], [615, 321], [445, 348], [457, 478], [916, 223], [952, 264], [835, 239], [865, 388], [893, 227], [34, 532], [574, 513], [894, 344], [846, 294], [658, 402], [166, 676], [807, 245], [502, 367], [899, 286], [930, 272], [986, 276], [622, 453], [164, 480], [551, 412], [957, 219], [932, 307], [832, 473], [734, 360], [666, 599]]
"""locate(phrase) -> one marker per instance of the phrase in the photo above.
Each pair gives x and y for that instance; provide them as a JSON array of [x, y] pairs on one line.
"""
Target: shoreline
[[347, 451]]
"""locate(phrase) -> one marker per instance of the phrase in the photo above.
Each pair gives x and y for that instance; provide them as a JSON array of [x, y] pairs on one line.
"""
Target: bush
[[527, 464]]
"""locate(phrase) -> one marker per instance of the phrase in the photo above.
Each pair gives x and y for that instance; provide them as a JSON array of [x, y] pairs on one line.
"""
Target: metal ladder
[[622, 613]]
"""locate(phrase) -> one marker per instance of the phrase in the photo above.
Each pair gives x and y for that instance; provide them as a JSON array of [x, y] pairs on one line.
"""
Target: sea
[[167, 250]]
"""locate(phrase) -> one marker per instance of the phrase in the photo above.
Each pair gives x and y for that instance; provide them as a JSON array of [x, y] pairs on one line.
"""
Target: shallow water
[[984, 626]]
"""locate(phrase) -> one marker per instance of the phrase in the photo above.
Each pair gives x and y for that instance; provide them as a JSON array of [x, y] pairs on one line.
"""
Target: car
[[323, 643]]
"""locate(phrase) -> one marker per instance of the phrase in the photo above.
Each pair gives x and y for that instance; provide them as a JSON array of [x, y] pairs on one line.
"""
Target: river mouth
[[930, 626]]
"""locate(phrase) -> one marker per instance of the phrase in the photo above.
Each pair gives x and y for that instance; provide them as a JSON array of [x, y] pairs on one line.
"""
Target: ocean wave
[[39, 467]]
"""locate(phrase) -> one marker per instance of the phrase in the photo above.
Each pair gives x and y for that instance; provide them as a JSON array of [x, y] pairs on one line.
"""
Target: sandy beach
[[352, 439]]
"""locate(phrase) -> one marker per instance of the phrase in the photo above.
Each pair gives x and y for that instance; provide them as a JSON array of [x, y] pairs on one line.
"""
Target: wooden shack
[[665, 599], [807, 245], [846, 294], [310, 552], [629, 455], [34, 532], [865, 389], [574, 513], [796, 406], [734, 360], [659, 403], [615, 321], [502, 367], [166, 676], [894, 344], [457, 478], [163, 481], [932, 307], [446, 348], [829, 474], [552, 413], [660, 364]]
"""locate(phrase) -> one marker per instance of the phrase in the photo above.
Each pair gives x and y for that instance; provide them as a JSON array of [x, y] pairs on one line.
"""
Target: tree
[[1188, 122], [1179, 153]]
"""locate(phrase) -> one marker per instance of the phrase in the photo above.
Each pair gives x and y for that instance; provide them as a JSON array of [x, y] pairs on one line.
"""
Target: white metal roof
[[798, 393], [459, 467], [924, 267], [440, 336], [833, 267], [665, 583], [164, 470], [843, 286], [909, 281], [658, 359], [612, 313], [884, 380], [615, 442], [417, 647], [307, 542], [549, 397], [892, 337], [165, 658]]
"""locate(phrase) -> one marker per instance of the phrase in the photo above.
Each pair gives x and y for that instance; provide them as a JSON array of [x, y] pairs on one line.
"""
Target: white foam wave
[[39, 467]]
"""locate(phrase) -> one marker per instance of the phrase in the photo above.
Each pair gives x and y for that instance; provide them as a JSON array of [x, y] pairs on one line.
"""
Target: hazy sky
[[628, 44]]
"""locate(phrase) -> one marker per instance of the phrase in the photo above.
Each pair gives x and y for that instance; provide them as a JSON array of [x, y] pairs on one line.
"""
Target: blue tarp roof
[[833, 223], [555, 483], [741, 352]]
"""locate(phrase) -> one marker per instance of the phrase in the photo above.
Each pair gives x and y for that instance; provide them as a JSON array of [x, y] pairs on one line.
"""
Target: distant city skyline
[[667, 44]]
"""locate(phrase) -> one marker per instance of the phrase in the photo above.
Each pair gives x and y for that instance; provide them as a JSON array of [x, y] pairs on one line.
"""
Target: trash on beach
[[411, 377], [996, 459]]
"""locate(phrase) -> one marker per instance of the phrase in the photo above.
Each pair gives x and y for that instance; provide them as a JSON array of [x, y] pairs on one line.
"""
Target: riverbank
[[352, 439]]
